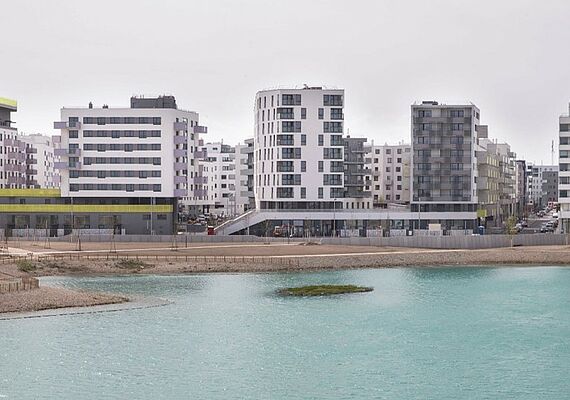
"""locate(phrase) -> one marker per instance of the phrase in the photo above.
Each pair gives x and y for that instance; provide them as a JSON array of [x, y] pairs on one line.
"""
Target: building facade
[[444, 165], [390, 168], [299, 149], [564, 171]]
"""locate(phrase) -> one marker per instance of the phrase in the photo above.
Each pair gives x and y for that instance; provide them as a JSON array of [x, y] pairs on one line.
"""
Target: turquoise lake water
[[469, 333]]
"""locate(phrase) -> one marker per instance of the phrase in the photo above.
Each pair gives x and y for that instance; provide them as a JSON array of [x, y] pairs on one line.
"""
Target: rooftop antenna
[[552, 153]]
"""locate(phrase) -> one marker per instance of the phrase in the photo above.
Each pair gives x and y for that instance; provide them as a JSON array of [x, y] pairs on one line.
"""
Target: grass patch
[[130, 264], [25, 265], [323, 290]]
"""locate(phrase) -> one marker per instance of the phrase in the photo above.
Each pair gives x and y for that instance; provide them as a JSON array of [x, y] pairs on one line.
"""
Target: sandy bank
[[51, 297], [375, 258]]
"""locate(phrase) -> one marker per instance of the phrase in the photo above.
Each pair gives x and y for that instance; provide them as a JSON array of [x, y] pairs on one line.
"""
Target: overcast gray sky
[[511, 58]]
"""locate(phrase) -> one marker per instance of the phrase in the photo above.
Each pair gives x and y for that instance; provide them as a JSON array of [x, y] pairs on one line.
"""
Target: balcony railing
[[14, 167], [31, 150], [180, 192], [180, 153], [179, 166], [180, 179], [200, 180], [67, 152], [16, 156], [180, 126], [200, 129], [179, 139], [66, 125]]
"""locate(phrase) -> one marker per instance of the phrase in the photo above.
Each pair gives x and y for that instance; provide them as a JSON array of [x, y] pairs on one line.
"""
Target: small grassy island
[[323, 290]]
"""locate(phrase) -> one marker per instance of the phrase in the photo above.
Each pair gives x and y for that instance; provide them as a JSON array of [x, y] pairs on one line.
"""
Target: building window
[[303, 193], [332, 100], [303, 113], [321, 166], [321, 113], [285, 140], [424, 113], [284, 193], [291, 99], [456, 113], [303, 166], [291, 126], [321, 140], [291, 153], [285, 166], [336, 113], [303, 140], [290, 179], [320, 193]]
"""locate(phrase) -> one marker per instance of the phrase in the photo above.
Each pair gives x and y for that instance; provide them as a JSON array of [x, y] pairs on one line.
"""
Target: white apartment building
[[390, 166], [244, 176], [299, 149], [145, 151], [219, 174], [564, 172], [41, 160]]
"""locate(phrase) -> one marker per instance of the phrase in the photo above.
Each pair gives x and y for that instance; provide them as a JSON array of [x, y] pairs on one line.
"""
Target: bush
[[26, 265], [130, 264]]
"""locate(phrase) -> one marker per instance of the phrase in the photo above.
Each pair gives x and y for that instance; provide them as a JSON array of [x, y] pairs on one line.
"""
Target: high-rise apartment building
[[444, 174], [564, 171], [299, 149]]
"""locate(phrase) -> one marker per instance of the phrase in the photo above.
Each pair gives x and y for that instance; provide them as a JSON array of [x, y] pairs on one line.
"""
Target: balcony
[[180, 153], [11, 142], [31, 150], [200, 180], [31, 182], [16, 180], [180, 126], [201, 154], [200, 193], [31, 161], [66, 125], [180, 179], [67, 152], [66, 165], [179, 139], [14, 167], [180, 192], [180, 166], [200, 129], [31, 171], [16, 156]]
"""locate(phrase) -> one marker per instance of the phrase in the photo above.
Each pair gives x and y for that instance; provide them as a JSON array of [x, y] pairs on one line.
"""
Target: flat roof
[[8, 103]]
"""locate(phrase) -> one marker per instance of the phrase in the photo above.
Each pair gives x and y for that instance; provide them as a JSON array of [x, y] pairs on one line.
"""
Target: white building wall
[[168, 158], [311, 114], [46, 175], [390, 165]]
